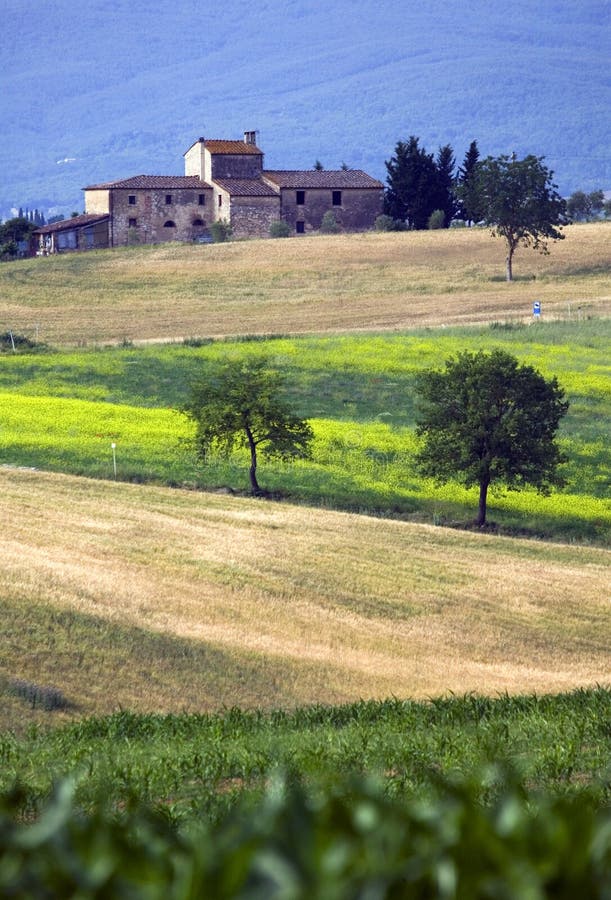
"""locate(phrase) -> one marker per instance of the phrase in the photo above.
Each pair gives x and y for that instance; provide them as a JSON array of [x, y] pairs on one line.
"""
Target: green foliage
[[279, 228], [436, 220], [485, 419], [386, 223], [221, 231], [239, 403], [9, 250], [458, 797], [465, 188], [582, 207], [17, 229], [445, 198], [329, 224], [10, 342], [340, 840], [518, 199], [412, 184]]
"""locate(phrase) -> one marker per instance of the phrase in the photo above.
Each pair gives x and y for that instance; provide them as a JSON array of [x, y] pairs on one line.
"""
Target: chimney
[[250, 137]]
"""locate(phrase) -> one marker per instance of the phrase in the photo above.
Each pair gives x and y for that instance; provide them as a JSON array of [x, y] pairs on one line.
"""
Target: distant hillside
[[90, 95]]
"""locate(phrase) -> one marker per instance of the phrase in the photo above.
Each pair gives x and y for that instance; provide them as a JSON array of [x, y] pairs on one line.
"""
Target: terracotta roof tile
[[151, 182], [246, 187], [238, 148], [74, 222], [312, 178]]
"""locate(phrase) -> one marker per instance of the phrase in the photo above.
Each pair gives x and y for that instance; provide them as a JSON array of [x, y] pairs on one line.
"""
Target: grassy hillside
[[62, 410], [151, 599], [315, 284]]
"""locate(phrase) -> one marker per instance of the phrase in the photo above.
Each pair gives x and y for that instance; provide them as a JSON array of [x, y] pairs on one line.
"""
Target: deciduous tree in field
[[241, 403], [517, 199], [484, 419]]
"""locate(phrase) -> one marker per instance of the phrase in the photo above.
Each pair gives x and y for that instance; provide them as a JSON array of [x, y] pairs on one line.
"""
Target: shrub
[[13, 342], [279, 229], [385, 223], [220, 231], [9, 250], [437, 219], [329, 223]]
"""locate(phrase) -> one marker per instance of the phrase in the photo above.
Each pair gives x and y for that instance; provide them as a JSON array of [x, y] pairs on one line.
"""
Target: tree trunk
[[254, 484], [509, 261], [483, 495]]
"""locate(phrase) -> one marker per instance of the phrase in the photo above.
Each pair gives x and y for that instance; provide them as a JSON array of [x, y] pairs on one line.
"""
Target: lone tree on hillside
[[517, 199], [241, 403], [486, 419]]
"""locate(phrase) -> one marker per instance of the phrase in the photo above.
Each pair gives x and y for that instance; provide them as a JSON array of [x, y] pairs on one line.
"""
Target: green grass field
[[62, 411], [196, 764]]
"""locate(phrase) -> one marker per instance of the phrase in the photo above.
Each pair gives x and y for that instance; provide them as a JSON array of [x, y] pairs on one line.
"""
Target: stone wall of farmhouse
[[146, 219], [252, 216], [233, 166], [357, 210]]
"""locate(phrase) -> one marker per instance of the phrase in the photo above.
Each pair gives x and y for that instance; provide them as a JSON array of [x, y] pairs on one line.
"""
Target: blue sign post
[[536, 309]]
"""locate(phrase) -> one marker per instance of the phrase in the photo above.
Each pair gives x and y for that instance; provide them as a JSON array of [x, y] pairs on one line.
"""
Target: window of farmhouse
[[132, 223], [169, 224], [168, 199], [198, 222], [300, 198], [202, 200], [337, 198], [300, 227], [131, 199]]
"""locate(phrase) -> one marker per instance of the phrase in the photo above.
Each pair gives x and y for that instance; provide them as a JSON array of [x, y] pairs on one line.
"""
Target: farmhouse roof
[[232, 148], [246, 187], [151, 182], [74, 222], [313, 178]]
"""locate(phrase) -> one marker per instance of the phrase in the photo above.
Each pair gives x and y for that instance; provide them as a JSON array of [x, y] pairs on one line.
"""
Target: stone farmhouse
[[224, 180]]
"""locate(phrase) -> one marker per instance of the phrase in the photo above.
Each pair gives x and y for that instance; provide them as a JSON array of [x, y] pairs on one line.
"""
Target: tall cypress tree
[[470, 208], [445, 198], [412, 184]]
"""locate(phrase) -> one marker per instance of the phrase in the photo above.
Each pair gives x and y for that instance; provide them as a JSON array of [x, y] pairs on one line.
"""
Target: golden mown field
[[149, 598], [313, 284]]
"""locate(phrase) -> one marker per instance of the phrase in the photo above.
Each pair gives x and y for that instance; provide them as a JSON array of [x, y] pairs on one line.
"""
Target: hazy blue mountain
[[98, 91]]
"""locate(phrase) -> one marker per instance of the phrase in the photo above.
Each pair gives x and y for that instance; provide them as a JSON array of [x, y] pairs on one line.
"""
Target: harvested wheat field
[[156, 599], [371, 281]]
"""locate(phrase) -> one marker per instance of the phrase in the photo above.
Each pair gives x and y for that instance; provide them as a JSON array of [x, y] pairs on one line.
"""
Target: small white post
[[114, 459]]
